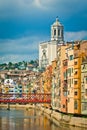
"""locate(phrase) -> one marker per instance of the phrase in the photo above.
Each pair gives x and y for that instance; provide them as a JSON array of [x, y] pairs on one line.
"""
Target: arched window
[[62, 33], [58, 32], [54, 32]]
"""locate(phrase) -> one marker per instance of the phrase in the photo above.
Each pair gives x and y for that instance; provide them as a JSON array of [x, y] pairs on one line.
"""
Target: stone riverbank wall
[[66, 119]]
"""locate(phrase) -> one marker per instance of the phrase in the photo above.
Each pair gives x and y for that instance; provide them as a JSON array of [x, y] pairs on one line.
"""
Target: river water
[[29, 120]]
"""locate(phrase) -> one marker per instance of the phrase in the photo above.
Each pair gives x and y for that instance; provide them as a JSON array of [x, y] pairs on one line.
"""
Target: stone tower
[[57, 33]]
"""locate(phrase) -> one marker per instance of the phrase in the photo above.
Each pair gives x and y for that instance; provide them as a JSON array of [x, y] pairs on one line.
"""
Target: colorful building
[[54, 84], [84, 87], [65, 86], [70, 78], [84, 77]]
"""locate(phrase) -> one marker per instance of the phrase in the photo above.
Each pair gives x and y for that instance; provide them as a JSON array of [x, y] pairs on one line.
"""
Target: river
[[29, 120]]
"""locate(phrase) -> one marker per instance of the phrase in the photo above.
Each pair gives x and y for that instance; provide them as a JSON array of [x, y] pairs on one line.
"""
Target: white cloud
[[37, 3], [27, 48], [75, 35], [23, 44], [44, 4]]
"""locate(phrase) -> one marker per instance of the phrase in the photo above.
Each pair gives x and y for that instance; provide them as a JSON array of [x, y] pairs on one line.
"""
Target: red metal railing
[[25, 98]]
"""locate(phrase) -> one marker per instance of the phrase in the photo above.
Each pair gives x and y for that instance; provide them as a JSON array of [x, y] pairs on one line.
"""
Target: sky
[[26, 23]]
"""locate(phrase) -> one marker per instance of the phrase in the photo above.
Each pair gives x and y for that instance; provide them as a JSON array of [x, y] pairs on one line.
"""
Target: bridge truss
[[25, 98]]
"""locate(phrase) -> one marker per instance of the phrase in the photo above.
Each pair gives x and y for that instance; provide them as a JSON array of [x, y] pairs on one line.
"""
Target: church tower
[[48, 50], [57, 33]]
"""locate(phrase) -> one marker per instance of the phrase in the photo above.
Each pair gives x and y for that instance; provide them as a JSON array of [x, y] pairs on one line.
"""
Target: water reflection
[[28, 120]]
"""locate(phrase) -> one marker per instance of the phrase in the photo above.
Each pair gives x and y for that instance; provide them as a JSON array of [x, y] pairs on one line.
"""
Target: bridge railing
[[25, 98]]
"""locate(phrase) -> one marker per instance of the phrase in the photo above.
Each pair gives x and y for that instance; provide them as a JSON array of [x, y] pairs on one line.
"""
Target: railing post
[[8, 107]]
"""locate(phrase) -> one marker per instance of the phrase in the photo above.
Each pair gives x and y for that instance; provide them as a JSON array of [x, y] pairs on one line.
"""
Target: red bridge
[[25, 98]]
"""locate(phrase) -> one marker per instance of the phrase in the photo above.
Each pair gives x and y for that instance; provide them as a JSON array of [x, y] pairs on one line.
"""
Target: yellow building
[[77, 80]]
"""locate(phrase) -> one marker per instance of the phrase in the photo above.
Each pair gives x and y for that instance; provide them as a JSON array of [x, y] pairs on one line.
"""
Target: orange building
[[65, 87]]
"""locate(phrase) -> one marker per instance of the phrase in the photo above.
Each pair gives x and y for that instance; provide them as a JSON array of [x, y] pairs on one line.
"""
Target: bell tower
[[57, 33]]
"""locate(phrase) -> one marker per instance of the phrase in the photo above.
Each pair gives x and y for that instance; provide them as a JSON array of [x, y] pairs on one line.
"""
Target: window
[[58, 32], [75, 93], [72, 70], [72, 81], [84, 106], [64, 63], [69, 72], [75, 105], [86, 80], [86, 92], [75, 82], [68, 92], [69, 82], [75, 73], [71, 57], [64, 74], [55, 68], [63, 106], [62, 33], [83, 67], [65, 94], [75, 63], [54, 32], [68, 100]]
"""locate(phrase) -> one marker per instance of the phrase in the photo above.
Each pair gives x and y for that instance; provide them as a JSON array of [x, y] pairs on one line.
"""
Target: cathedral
[[48, 50]]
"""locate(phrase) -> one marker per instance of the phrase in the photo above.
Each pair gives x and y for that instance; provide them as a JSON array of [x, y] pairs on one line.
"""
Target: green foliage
[[11, 65], [31, 62]]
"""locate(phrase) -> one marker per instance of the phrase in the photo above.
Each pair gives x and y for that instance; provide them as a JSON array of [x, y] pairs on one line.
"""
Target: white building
[[48, 50], [9, 86]]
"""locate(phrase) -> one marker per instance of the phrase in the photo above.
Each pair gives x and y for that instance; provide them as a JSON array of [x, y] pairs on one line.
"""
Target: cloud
[[23, 48], [20, 45], [9, 8], [81, 35], [37, 3], [13, 8], [27, 48], [25, 23], [17, 58], [20, 8]]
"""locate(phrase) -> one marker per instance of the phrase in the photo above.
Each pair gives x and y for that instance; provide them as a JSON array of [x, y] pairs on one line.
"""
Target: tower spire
[[56, 18]]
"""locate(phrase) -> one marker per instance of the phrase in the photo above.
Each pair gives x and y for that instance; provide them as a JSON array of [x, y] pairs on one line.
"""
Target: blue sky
[[26, 23]]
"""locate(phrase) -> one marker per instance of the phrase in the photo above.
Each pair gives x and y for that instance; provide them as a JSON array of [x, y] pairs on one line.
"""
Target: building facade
[[84, 87], [70, 79]]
